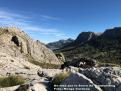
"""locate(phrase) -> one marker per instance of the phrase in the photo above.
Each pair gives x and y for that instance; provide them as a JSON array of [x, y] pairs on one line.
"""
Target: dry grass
[[11, 81], [1, 65], [108, 64], [60, 77]]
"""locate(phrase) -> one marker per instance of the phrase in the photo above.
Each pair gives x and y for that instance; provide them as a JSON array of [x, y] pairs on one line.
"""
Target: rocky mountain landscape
[[91, 63], [104, 47], [59, 44], [21, 55]]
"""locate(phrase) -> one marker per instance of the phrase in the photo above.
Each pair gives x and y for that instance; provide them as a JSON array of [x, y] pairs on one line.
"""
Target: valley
[[91, 59]]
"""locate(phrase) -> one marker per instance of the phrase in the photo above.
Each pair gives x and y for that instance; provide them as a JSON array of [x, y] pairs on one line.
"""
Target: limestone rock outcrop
[[77, 79], [104, 76], [16, 43], [26, 87], [32, 87]]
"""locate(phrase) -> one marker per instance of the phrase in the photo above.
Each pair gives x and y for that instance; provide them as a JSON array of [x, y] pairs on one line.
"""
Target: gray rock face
[[104, 76], [118, 88], [9, 88], [27, 87], [18, 53], [80, 79], [18, 44], [32, 87]]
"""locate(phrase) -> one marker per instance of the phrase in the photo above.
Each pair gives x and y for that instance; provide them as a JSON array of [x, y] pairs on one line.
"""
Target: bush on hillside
[[11, 81]]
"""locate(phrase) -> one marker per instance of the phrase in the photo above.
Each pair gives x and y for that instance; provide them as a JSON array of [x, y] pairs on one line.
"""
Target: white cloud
[[4, 17], [23, 22], [46, 31], [45, 17]]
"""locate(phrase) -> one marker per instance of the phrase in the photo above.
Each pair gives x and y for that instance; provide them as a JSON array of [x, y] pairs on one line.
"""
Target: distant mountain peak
[[59, 44], [85, 36]]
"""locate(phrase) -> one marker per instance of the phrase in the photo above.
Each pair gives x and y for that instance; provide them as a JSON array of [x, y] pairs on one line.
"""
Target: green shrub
[[60, 77], [11, 81], [104, 64]]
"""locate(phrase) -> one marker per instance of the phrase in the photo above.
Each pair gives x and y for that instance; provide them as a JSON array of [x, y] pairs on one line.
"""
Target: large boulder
[[77, 79], [104, 76]]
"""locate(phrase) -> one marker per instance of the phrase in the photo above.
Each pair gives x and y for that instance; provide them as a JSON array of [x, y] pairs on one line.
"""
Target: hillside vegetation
[[106, 48]]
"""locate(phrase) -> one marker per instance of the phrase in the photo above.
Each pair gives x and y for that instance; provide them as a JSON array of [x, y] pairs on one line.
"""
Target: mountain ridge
[[58, 44], [105, 47]]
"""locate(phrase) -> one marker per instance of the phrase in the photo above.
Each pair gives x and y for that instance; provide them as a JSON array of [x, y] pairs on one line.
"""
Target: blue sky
[[51, 20]]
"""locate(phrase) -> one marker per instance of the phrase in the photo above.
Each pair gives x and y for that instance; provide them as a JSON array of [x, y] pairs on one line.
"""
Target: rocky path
[[108, 76]]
